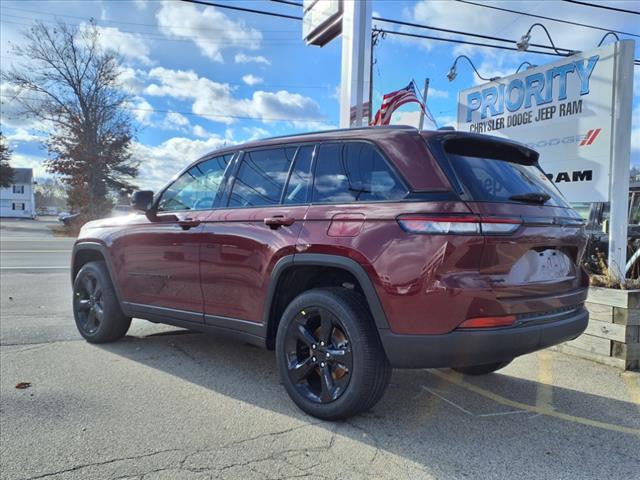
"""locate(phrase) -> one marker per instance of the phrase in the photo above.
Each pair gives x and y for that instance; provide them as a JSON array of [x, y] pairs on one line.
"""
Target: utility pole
[[356, 61], [424, 101]]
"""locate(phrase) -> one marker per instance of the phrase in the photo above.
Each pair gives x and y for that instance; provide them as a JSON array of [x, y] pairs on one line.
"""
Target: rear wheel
[[96, 309], [329, 355], [482, 369]]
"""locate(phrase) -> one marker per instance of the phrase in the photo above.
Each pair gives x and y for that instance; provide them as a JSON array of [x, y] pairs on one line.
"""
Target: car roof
[[361, 133]]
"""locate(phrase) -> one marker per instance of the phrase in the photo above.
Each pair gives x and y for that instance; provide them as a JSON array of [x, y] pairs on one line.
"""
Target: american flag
[[392, 101]]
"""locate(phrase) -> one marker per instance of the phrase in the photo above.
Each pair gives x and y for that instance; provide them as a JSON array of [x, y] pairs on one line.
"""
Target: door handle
[[278, 221], [188, 223]]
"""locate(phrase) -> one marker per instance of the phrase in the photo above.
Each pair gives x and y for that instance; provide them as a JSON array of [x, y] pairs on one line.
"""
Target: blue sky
[[202, 77]]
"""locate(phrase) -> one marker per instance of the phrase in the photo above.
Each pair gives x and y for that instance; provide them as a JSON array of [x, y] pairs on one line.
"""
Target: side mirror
[[142, 200]]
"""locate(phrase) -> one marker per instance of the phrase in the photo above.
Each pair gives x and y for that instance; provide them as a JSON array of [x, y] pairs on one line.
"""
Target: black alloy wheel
[[96, 309], [89, 301], [319, 357], [329, 355]]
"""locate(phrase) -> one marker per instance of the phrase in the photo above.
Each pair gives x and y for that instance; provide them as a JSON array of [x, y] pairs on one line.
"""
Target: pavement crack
[[99, 464]]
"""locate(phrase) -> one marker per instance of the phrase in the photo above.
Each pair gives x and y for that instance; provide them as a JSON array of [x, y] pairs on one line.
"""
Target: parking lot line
[[532, 408], [544, 390]]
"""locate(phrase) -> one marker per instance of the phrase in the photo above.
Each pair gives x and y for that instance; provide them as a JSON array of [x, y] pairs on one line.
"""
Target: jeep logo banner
[[563, 110]]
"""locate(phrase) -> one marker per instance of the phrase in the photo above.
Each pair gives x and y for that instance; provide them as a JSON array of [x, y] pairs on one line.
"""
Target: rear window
[[493, 172]]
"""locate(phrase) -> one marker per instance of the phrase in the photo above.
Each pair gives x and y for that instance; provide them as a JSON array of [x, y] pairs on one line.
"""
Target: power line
[[122, 22], [160, 36], [288, 2], [243, 9], [585, 25], [605, 7], [458, 32], [464, 42], [206, 115]]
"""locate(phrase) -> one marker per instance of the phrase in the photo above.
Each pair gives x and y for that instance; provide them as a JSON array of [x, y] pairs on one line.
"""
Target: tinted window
[[261, 177], [300, 180], [354, 172], [492, 180], [196, 189]]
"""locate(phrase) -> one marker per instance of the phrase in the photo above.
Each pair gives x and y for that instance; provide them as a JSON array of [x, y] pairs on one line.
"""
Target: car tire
[[482, 369], [96, 309], [329, 355]]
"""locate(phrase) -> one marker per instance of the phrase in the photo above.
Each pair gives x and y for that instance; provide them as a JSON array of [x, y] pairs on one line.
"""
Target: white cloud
[[142, 110], [198, 131], [216, 101], [10, 109], [130, 45], [132, 80], [243, 58], [252, 80], [140, 4], [435, 93], [19, 160], [175, 118], [210, 29], [22, 135]]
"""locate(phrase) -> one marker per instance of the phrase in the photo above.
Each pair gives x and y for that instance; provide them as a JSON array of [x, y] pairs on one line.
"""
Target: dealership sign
[[565, 110]]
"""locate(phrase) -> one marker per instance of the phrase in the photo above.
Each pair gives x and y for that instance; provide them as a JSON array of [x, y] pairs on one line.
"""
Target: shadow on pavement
[[426, 416]]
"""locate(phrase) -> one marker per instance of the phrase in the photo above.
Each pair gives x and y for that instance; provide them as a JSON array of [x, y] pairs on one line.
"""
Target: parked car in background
[[348, 252], [69, 219]]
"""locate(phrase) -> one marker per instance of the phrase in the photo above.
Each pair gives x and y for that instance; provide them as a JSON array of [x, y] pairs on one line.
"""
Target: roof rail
[[336, 130]]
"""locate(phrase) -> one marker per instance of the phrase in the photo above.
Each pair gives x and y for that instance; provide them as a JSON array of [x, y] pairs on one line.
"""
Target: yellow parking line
[[632, 381], [531, 408], [544, 390]]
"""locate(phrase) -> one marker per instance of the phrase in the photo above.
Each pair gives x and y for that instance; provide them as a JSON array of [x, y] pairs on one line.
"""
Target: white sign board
[[563, 110]]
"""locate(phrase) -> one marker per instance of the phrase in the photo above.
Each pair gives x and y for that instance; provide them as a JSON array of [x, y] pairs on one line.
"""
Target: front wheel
[[96, 309], [482, 369], [329, 354]]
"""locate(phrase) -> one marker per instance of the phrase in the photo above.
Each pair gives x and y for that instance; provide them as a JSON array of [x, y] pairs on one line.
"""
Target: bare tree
[[6, 172], [71, 84]]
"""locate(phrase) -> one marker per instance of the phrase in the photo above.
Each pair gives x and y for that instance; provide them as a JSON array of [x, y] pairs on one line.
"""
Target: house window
[[17, 206], [18, 189]]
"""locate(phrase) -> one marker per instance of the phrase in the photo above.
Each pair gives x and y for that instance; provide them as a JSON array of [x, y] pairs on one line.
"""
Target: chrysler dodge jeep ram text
[[348, 252]]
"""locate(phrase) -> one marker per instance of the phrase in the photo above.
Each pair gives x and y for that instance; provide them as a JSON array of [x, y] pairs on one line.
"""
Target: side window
[[261, 177], [300, 180], [195, 189], [354, 172]]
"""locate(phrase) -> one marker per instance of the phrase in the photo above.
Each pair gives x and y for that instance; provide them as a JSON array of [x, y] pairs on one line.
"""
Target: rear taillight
[[489, 322], [458, 224]]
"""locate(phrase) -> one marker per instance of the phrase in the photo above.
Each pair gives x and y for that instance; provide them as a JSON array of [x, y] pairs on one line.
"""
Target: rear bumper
[[476, 347]]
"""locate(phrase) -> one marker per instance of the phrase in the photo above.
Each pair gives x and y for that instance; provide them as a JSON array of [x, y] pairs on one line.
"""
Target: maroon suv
[[348, 252]]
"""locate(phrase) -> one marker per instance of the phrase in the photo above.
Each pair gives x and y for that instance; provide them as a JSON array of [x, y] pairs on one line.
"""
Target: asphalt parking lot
[[166, 403]]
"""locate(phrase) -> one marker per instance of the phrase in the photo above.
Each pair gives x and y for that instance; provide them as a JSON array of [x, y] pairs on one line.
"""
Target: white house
[[18, 200]]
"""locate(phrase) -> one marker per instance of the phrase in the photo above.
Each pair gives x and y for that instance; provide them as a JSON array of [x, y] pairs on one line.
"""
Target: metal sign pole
[[356, 60], [620, 152]]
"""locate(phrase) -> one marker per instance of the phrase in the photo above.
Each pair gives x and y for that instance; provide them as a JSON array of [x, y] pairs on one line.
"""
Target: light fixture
[[453, 72], [523, 43], [528, 64], [606, 35]]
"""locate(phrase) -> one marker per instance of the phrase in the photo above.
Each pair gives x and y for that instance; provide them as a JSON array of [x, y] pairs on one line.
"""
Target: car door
[[260, 224], [162, 254]]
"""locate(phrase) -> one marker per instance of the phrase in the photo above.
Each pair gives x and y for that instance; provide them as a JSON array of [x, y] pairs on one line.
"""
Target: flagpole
[[424, 103]]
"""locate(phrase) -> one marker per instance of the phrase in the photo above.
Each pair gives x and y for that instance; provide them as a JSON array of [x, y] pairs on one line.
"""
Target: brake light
[[458, 224], [489, 322]]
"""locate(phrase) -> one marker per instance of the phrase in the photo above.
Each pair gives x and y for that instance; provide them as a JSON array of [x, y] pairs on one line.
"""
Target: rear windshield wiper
[[532, 197]]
